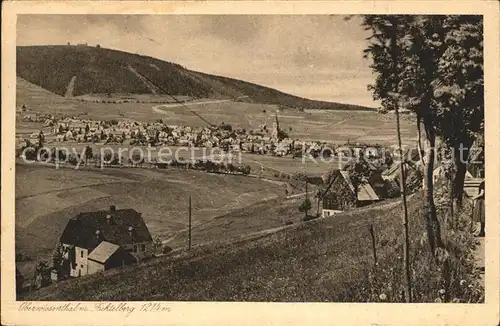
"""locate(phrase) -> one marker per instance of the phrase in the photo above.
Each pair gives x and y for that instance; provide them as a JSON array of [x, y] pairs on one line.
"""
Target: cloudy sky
[[315, 56]]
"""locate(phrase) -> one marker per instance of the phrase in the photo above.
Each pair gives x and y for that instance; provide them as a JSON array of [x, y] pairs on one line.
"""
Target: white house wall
[[329, 212], [94, 267], [81, 261]]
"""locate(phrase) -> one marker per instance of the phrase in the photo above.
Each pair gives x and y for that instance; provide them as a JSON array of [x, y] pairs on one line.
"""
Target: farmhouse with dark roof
[[97, 241]]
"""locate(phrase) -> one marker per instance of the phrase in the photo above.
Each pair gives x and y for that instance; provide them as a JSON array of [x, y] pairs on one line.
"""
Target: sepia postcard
[[241, 163]]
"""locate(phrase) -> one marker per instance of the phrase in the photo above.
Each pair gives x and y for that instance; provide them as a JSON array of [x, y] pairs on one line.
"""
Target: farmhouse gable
[[96, 241]]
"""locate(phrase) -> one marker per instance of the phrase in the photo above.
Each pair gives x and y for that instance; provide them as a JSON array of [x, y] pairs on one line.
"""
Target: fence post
[[374, 247]]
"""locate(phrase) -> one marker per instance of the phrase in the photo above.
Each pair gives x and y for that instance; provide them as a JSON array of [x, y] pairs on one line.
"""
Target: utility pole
[[307, 200], [189, 224], [406, 247], [405, 212]]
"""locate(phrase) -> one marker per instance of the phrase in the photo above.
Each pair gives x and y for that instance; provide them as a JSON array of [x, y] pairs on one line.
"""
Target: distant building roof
[[81, 229], [103, 252], [393, 170], [365, 191], [471, 186]]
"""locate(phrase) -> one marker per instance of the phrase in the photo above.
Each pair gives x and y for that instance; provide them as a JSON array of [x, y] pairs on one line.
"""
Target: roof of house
[[394, 168], [103, 252], [365, 191], [471, 186], [391, 170], [81, 229]]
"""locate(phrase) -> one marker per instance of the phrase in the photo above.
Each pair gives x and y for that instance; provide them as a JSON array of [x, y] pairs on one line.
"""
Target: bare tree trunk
[[421, 152], [460, 158], [433, 225]]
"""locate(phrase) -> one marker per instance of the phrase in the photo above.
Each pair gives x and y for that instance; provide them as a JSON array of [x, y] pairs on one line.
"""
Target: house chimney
[[109, 218], [98, 235], [130, 230], [112, 208]]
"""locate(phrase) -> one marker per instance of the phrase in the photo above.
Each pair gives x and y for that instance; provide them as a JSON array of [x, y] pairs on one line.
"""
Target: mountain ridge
[[100, 71]]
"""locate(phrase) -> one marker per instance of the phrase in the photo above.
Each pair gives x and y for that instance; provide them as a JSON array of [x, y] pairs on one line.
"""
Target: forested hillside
[[102, 71]]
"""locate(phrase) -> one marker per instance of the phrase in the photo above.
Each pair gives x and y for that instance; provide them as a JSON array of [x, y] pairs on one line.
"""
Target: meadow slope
[[47, 198], [320, 260]]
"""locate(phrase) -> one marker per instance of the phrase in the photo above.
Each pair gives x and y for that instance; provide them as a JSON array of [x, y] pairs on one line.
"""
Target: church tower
[[276, 127]]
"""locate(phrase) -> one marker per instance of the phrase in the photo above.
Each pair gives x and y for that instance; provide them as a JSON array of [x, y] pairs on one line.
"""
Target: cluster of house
[[46, 118], [339, 193], [262, 140]]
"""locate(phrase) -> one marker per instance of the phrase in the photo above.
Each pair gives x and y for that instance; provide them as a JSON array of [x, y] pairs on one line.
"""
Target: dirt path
[[157, 108]]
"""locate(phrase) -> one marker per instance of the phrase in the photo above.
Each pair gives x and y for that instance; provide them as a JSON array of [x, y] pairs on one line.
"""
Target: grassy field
[[47, 198], [321, 260], [287, 165], [243, 222]]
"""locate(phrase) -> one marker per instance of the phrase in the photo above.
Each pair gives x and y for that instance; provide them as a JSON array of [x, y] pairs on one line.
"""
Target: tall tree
[[459, 92], [434, 69], [404, 52]]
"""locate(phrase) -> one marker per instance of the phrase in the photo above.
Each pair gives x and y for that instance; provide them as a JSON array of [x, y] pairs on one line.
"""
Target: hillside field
[[321, 260], [47, 198]]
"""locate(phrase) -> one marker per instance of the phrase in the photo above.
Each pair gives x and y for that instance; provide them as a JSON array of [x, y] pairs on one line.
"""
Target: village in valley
[[250, 172]]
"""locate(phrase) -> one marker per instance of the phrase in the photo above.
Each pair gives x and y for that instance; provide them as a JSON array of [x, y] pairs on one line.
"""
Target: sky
[[314, 56]]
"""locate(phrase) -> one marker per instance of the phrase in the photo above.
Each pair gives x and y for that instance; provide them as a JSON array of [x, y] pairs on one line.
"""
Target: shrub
[[30, 153], [305, 205], [72, 159], [451, 278], [246, 169]]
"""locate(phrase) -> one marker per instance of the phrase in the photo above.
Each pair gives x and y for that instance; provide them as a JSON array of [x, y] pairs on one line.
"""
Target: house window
[[81, 266], [135, 248], [81, 253], [143, 247]]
